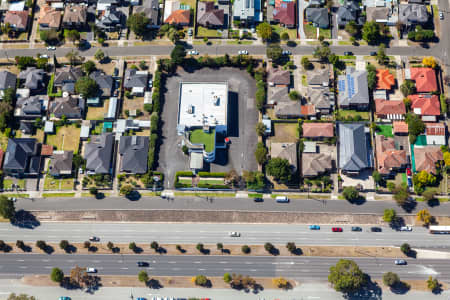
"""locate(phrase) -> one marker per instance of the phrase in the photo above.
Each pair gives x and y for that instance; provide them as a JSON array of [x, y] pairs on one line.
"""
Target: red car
[[336, 229], [408, 171]]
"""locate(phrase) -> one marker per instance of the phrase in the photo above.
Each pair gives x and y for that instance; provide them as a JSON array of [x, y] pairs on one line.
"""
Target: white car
[[400, 262], [286, 52], [43, 56], [243, 52], [441, 15], [406, 228], [51, 48], [91, 270], [193, 52], [234, 234]]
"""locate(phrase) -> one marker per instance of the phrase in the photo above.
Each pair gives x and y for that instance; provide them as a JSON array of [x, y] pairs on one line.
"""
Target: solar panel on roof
[[341, 85]]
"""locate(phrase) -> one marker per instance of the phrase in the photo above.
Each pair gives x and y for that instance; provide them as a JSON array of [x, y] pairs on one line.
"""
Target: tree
[[269, 247], [350, 193], [219, 247], [132, 246], [86, 87], [24, 61], [371, 32], [322, 53], [389, 215], [64, 244], [73, 57], [260, 129], [57, 275], [424, 216], [352, 28], [41, 244], [245, 249], [432, 284], [240, 282], [306, 64], [7, 209], [227, 277], [415, 126], [89, 66], [110, 246], [49, 36], [291, 247], [279, 168], [444, 107], [377, 177], [405, 248], [126, 190], [371, 76], [142, 65], [201, 280], [280, 282], [284, 36], [346, 276], [261, 153], [274, 52], [264, 31], [390, 279], [99, 55], [178, 54], [430, 62], [429, 194], [382, 58], [200, 247], [20, 244], [401, 195], [138, 23], [143, 276], [321, 38], [294, 95], [93, 190], [408, 87], [154, 245], [87, 244], [13, 296], [73, 35]]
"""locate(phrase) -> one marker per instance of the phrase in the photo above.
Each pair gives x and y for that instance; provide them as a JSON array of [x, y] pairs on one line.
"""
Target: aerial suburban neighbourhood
[[246, 149]]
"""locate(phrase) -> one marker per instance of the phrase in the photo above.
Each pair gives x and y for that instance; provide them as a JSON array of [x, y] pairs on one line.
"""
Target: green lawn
[[279, 29], [65, 184], [347, 57], [326, 33], [227, 195], [239, 42], [7, 183], [255, 195], [203, 31], [66, 138], [344, 43], [385, 130], [198, 136], [310, 31], [344, 113], [49, 195], [212, 181], [185, 181]]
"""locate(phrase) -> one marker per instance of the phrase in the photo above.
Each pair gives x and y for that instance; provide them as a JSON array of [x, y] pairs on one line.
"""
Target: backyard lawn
[[198, 136], [97, 113], [66, 138], [344, 113], [385, 130], [203, 31], [39, 136], [285, 132], [64, 184]]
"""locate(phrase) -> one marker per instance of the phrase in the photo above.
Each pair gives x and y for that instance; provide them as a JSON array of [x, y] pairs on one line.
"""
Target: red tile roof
[[47, 150], [427, 157], [388, 157], [385, 80], [318, 130], [389, 107], [179, 17], [285, 13], [427, 105], [425, 79], [308, 110], [400, 127], [17, 19], [434, 129]]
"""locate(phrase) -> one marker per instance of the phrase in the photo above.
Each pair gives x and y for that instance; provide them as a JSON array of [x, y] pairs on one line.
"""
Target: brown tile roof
[[385, 80], [75, 14], [284, 13], [318, 130], [434, 129], [279, 77], [46, 150], [314, 164], [389, 107], [427, 157], [388, 157], [400, 127], [308, 110], [49, 16], [17, 19], [179, 16], [208, 16], [427, 105]]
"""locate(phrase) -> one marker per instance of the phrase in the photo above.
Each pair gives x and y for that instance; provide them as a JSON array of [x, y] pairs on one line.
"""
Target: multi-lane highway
[[179, 265], [214, 233]]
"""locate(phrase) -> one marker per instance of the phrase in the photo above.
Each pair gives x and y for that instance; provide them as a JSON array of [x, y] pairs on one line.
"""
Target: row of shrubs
[[212, 174]]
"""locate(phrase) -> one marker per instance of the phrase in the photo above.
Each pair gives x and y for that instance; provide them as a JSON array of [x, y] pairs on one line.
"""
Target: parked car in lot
[[356, 228], [91, 270], [375, 229], [243, 52], [400, 262], [314, 227], [234, 234], [94, 239], [336, 229], [406, 228], [193, 52], [51, 48]]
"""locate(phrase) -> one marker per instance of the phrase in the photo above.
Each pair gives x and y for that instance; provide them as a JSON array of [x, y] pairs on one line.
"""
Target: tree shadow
[[412, 253], [71, 249], [154, 284], [133, 196], [370, 291], [409, 206], [162, 250], [400, 288], [297, 251], [226, 251], [48, 249], [93, 249], [25, 219], [26, 248], [205, 251], [438, 290], [397, 223], [100, 196], [138, 250], [181, 250], [274, 251], [433, 202], [358, 201], [6, 248], [115, 250]]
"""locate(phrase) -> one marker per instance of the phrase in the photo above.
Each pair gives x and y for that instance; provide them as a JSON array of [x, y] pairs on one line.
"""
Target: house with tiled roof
[[322, 99], [278, 76], [426, 158], [247, 11], [75, 16], [400, 128], [286, 151], [285, 108], [426, 106], [22, 157], [385, 80], [17, 20], [435, 133], [71, 107], [284, 14], [318, 16], [208, 15], [389, 159], [390, 109], [353, 89], [308, 111], [49, 18], [425, 79], [61, 163], [354, 153], [318, 130], [315, 164], [176, 14]]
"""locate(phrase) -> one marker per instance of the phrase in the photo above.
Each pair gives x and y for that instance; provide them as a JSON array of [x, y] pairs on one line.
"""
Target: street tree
[[260, 129], [432, 284], [322, 52], [274, 52], [93, 190], [13, 296], [7, 209], [279, 168], [20, 244], [284, 36], [73, 57], [382, 58], [110, 246], [99, 55], [73, 35], [405, 248], [87, 244], [401, 195], [57, 275], [424, 216], [132, 246], [41, 244], [89, 67], [200, 280], [245, 249], [154, 245], [200, 247], [390, 279], [280, 282], [350, 193], [261, 153], [138, 23], [64, 244], [220, 247], [227, 277], [291, 247], [86, 87], [389, 215], [346, 276], [178, 54], [371, 32], [126, 189], [429, 194], [306, 63], [269, 247], [143, 276], [264, 31]]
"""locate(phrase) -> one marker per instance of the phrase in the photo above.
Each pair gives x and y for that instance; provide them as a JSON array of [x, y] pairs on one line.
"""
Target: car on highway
[[142, 264], [64, 298], [51, 48], [258, 199], [336, 229], [400, 262], [406, 228], [348, 53], [314, 227], [286, 52], [243, 52], [94, 239], [373, 53], [408, 171], [375, 229], [441, 15], [234, 234], [141, 298], [356, 228], [193, 52], [91, 270]]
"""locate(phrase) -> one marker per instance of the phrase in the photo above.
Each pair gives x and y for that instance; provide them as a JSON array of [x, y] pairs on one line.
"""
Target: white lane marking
[[197, 262], [228, 269], [20, 260], [125, 268], [23, 267], [201, 269], [171, 262], [223, 262]]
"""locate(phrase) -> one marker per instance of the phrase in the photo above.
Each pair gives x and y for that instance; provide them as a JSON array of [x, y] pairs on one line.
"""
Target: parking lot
[[242, 119]]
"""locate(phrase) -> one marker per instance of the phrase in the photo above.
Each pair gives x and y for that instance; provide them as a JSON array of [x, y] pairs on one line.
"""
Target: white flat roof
[[203, 104]]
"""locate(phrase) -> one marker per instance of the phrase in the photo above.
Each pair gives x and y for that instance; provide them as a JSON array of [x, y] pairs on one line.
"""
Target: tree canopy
[[57, 275], [7, 209], [279, 168], [390, 279], [264, 31], [389, 215], [138, 23], [178, 54], [322, 52], [86, 86], [274, 52], [350, 193], [371, 32], [346, 276], [261, 153]]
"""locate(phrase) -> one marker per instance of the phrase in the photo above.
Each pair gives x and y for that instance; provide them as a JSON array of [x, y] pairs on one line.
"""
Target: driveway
[[301, 7]]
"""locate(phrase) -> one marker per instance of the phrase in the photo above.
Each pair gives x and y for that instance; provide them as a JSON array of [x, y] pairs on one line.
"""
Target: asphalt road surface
[[214, 233], [291, 267], [219, 203]]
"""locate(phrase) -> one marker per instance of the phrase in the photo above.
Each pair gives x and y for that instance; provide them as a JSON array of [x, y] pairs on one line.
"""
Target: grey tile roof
[[353, 151], [18, 154], [61, 163], [30, 106], [314, 164], [111, 20], [320, 97], [67, 74], [346, 13], [134, 79], [134, 152], [318, 77], [69, 106], [7, 80], [98, 153], [105, 82], [412, 14], [353, 89], [318, 16], [150, 9], [207, 15], [33, 78], [26, 127]]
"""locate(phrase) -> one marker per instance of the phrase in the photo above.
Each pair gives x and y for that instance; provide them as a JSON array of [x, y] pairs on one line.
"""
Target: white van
[[282, 199]]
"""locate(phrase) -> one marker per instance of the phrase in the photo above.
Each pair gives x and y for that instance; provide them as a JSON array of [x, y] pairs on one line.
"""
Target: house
[[26, 127], [33, 78], [279, 77], [247, 11], [377, 14], [426, 106], [105, 82], [389, 159], [46, 150], [135, 81], [17, 20], [353, 89], [435, 133], [30, 107], [176, 14], [426, 158], [66, 77], [286, 151], [318, 77], [103, 5], [400, 128], [348, 12], [209, 16], [110, 20], [133, 151], [71, 107], [75, 16], [150, 8], [318, 130], [49, 18], [7, 80], [22, 157], [315, 164], [285, 108], [322, 99], [98, 154], [425, 79], [385, 80], [353, 148], [16, 5], [308, 111], [412, 14], [318, 16], [284, 14], [61, 163], [389, 109]]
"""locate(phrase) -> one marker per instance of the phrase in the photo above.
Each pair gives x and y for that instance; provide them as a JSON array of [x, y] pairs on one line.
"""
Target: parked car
[[94, 239], [336, 229], [348, 53], [400, 262], [258, 199], [406, 228], [142, 264], [408, 171], [410, 182], [373, 53], [243, 52], [80, 170], [150, 83], [314, 227], [64, 298], [356, 228], [190, 32], [91, 270], [441, 15], [193, 52], [44, 56], [286, 52], [51, 48], [234, 234], [375, 229]]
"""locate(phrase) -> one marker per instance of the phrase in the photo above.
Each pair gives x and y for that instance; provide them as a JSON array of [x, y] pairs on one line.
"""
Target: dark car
[[348, 53], [258, 199], [356, 228], [410, 184], [375, 229], [373, 53], [94, 239], [336, 229], [142, 264]]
